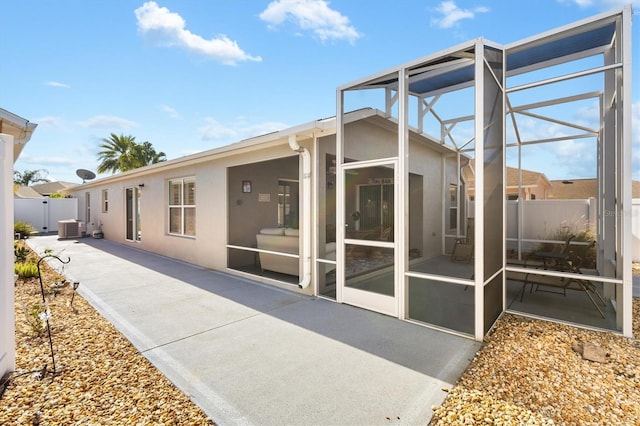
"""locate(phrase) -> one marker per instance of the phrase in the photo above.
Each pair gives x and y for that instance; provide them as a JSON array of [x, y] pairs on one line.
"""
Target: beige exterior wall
[[226, 215], [208, 247]]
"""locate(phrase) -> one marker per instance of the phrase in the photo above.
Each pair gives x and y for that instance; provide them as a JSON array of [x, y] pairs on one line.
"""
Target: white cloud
[[311, 15], [259, 129], [170, 28], [49, 120], [237, 131], [57, 84], [581, 3], [170, 111], [215, 131], [602, 4], [452, 14], [109, 122]]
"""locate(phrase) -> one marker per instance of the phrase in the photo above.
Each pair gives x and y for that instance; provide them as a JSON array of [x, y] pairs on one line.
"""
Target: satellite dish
[[85, 174]]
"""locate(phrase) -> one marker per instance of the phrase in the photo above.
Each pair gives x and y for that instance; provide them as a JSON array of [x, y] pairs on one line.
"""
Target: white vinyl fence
[[542, 219], [44, 213]]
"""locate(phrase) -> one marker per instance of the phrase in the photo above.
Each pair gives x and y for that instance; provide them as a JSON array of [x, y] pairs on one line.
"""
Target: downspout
[[305, 214]]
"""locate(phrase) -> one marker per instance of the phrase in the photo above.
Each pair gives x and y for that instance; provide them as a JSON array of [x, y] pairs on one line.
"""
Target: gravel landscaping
[[532, 372], [528, 372], [101, 378]]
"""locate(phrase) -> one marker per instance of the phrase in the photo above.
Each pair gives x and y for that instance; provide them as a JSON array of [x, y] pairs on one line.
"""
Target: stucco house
[[521, 184], [570, 189], [366, 207], [22, 191], [49, 188], [15, 132]]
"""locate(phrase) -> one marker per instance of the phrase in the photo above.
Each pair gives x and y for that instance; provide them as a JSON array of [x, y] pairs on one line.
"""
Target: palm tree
[[122, 153], [28, 177], [146, 154]]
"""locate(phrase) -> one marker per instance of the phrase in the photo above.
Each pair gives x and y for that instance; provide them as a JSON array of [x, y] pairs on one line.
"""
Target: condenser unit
[[69, 228]]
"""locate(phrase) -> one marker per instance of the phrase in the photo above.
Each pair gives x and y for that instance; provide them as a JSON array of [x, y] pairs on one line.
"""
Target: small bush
[[21, 253], [25, 269], [25, 229], [36, 316], [583, 233], [57, 195]]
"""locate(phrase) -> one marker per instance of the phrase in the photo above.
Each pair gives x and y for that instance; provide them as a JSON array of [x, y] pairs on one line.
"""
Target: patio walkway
[[252, 354]]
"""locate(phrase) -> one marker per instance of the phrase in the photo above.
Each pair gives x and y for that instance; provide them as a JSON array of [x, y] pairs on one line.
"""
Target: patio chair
[[463, 248], [572, 264], [546, 259]]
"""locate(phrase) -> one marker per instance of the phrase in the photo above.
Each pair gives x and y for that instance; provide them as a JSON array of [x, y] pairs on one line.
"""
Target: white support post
[[625, 174], [478, 257], [7, 313], [340, 208], [390, 99], [401, 236]]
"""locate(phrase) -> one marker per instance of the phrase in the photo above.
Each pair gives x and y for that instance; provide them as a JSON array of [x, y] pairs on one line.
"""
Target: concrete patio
[[252, 354]]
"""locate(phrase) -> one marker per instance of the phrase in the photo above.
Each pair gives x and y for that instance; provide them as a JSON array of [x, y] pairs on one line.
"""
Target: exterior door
[[133, 217], [369, 260]]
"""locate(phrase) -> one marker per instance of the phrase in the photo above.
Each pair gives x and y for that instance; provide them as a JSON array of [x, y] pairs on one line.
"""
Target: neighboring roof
[[52, 187], [26, 192], [582, 188], [529, 178], [20, 128]]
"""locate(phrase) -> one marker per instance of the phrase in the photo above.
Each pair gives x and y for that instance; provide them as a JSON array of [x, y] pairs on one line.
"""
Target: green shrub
[[25, 269], [25, 229], [21, 253], [36, 316], [582, 233]]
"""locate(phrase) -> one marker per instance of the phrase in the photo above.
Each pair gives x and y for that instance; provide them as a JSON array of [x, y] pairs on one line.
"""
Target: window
[[453, 207], [87, 215], [105, 200], [288, 195], [182, 206], [375, 202]]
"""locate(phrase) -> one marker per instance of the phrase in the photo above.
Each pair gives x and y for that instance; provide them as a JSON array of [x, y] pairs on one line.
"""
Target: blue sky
[[189, 76]]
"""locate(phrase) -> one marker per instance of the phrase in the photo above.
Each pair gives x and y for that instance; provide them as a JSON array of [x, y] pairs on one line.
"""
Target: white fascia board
[[16, 119], [20, 128]]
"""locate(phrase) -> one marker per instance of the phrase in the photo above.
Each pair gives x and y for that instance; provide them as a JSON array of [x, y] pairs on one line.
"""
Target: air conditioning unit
[[69, 228]]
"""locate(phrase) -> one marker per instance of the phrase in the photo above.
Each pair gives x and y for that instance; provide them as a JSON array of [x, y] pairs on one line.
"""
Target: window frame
[[105, 201], [182, 205], [454, 190]]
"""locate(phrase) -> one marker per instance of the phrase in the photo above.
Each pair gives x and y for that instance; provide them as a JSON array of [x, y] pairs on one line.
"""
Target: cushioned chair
[[463, 248]]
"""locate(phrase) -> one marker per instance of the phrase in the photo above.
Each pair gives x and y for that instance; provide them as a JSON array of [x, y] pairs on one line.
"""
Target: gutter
[[305, 231]]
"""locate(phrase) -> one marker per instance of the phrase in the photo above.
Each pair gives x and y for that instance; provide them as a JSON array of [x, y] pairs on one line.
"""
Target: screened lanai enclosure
[[446, 190], [438, 220]]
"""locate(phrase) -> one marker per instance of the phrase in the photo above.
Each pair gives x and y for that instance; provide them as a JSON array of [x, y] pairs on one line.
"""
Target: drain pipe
[[305, 214]]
